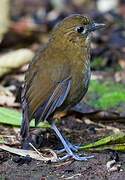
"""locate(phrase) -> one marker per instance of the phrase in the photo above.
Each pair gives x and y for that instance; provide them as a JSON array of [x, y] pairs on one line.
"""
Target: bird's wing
[[44, 91], [55, 100]]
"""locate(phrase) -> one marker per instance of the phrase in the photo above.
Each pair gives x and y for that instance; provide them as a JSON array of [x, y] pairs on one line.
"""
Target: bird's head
[[75, 29]]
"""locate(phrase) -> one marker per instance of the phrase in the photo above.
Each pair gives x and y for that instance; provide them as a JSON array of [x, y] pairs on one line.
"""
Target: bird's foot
[[22, 160], [72, 153], [36, 141], [73, 147], [75, 157], [69, 148]]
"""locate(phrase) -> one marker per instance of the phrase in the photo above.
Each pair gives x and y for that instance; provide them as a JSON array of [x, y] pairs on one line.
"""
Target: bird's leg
[[67, 148], [73, 147], [36, 140]]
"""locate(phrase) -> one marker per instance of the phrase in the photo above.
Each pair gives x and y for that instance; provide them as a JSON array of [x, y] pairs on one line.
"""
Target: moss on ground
[[106, 95]]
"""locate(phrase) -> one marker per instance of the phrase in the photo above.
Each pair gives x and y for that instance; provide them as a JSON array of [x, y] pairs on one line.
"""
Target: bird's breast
[[80, 82]]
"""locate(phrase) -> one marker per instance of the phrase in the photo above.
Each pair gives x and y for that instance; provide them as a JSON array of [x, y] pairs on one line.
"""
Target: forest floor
[[94, 168]]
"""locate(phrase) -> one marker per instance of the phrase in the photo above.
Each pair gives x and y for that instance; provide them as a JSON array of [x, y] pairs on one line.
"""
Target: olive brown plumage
[[58, 76]]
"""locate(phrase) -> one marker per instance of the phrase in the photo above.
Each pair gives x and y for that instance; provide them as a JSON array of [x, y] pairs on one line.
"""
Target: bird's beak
[[94, 27]]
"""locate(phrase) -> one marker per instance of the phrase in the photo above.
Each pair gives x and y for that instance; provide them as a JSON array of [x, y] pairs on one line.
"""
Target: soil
[[93, 169]]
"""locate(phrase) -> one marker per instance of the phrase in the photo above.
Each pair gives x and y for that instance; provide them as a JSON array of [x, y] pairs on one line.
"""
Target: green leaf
[[105, 95], [116, 147], [113, 141], [13, 117]]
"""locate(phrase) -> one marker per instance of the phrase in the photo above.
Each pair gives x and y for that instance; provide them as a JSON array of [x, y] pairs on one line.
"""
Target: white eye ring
[[80, 29]]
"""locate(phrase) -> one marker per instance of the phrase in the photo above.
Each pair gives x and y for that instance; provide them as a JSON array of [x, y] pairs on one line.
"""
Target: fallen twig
[[33, 154]]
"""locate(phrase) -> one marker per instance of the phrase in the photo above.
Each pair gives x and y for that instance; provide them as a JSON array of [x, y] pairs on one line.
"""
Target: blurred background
[[25, 26]]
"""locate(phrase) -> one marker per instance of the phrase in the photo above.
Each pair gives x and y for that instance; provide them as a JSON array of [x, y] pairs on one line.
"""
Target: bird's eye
[[80, 29]]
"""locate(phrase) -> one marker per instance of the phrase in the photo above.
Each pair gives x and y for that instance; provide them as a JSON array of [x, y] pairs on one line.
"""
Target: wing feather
[[44, 91], [56, 99]]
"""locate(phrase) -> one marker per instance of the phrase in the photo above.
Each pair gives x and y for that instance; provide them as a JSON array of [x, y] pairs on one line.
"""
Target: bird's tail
[[24, 132], [24, 127]]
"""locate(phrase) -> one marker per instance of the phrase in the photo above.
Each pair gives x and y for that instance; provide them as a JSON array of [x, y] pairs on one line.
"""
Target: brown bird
[[58, 76]]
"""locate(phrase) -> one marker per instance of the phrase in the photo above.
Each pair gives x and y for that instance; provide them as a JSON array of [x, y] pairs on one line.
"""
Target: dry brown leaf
[[14, 60]]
